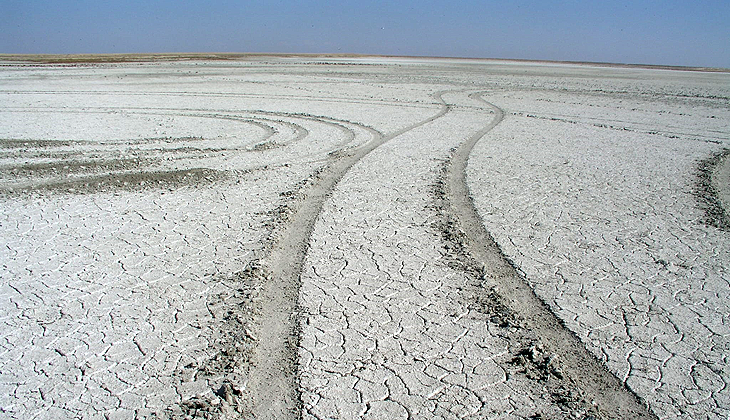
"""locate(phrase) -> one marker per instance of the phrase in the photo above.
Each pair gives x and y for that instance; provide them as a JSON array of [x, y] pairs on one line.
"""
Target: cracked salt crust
[[597, 209], [389, 328], [106, 295], [108, 299]]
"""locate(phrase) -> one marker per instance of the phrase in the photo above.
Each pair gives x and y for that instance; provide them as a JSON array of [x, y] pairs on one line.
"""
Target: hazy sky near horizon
[[671, 32]]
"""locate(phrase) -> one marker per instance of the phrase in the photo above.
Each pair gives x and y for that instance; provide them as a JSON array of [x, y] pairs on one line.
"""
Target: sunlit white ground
[[132, 194]]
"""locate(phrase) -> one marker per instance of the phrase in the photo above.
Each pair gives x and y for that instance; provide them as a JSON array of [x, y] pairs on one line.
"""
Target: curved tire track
[[272, 391], [198, 156], [595, 383], [266, 124], [392, 325], [341, 134]]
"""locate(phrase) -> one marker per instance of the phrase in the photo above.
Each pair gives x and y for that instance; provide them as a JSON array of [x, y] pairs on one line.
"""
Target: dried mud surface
[[288, 237]]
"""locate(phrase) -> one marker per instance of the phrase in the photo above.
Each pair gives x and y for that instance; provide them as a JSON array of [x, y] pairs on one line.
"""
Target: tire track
[[203, 157], [395, 327], [713, 189], [308, 98], [272, 391], [584, 372], [225, 308], [238, 116]]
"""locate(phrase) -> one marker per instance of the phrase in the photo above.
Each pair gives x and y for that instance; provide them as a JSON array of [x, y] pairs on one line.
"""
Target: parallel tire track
[[273, 389], [102, 155]]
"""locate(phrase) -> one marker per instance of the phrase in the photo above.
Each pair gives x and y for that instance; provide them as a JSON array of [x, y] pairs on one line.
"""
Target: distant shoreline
[[152, 57]]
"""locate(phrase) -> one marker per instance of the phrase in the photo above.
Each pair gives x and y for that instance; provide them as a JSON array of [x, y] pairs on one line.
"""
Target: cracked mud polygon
[[275, 237]]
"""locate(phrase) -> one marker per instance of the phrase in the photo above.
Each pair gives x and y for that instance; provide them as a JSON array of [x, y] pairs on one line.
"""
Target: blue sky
[[692, 33]]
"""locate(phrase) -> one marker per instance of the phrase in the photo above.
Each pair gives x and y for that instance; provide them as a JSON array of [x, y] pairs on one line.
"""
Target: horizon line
[[80, 58]]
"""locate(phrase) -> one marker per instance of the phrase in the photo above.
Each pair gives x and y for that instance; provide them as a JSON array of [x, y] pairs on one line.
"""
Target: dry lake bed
[[363, 237]]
